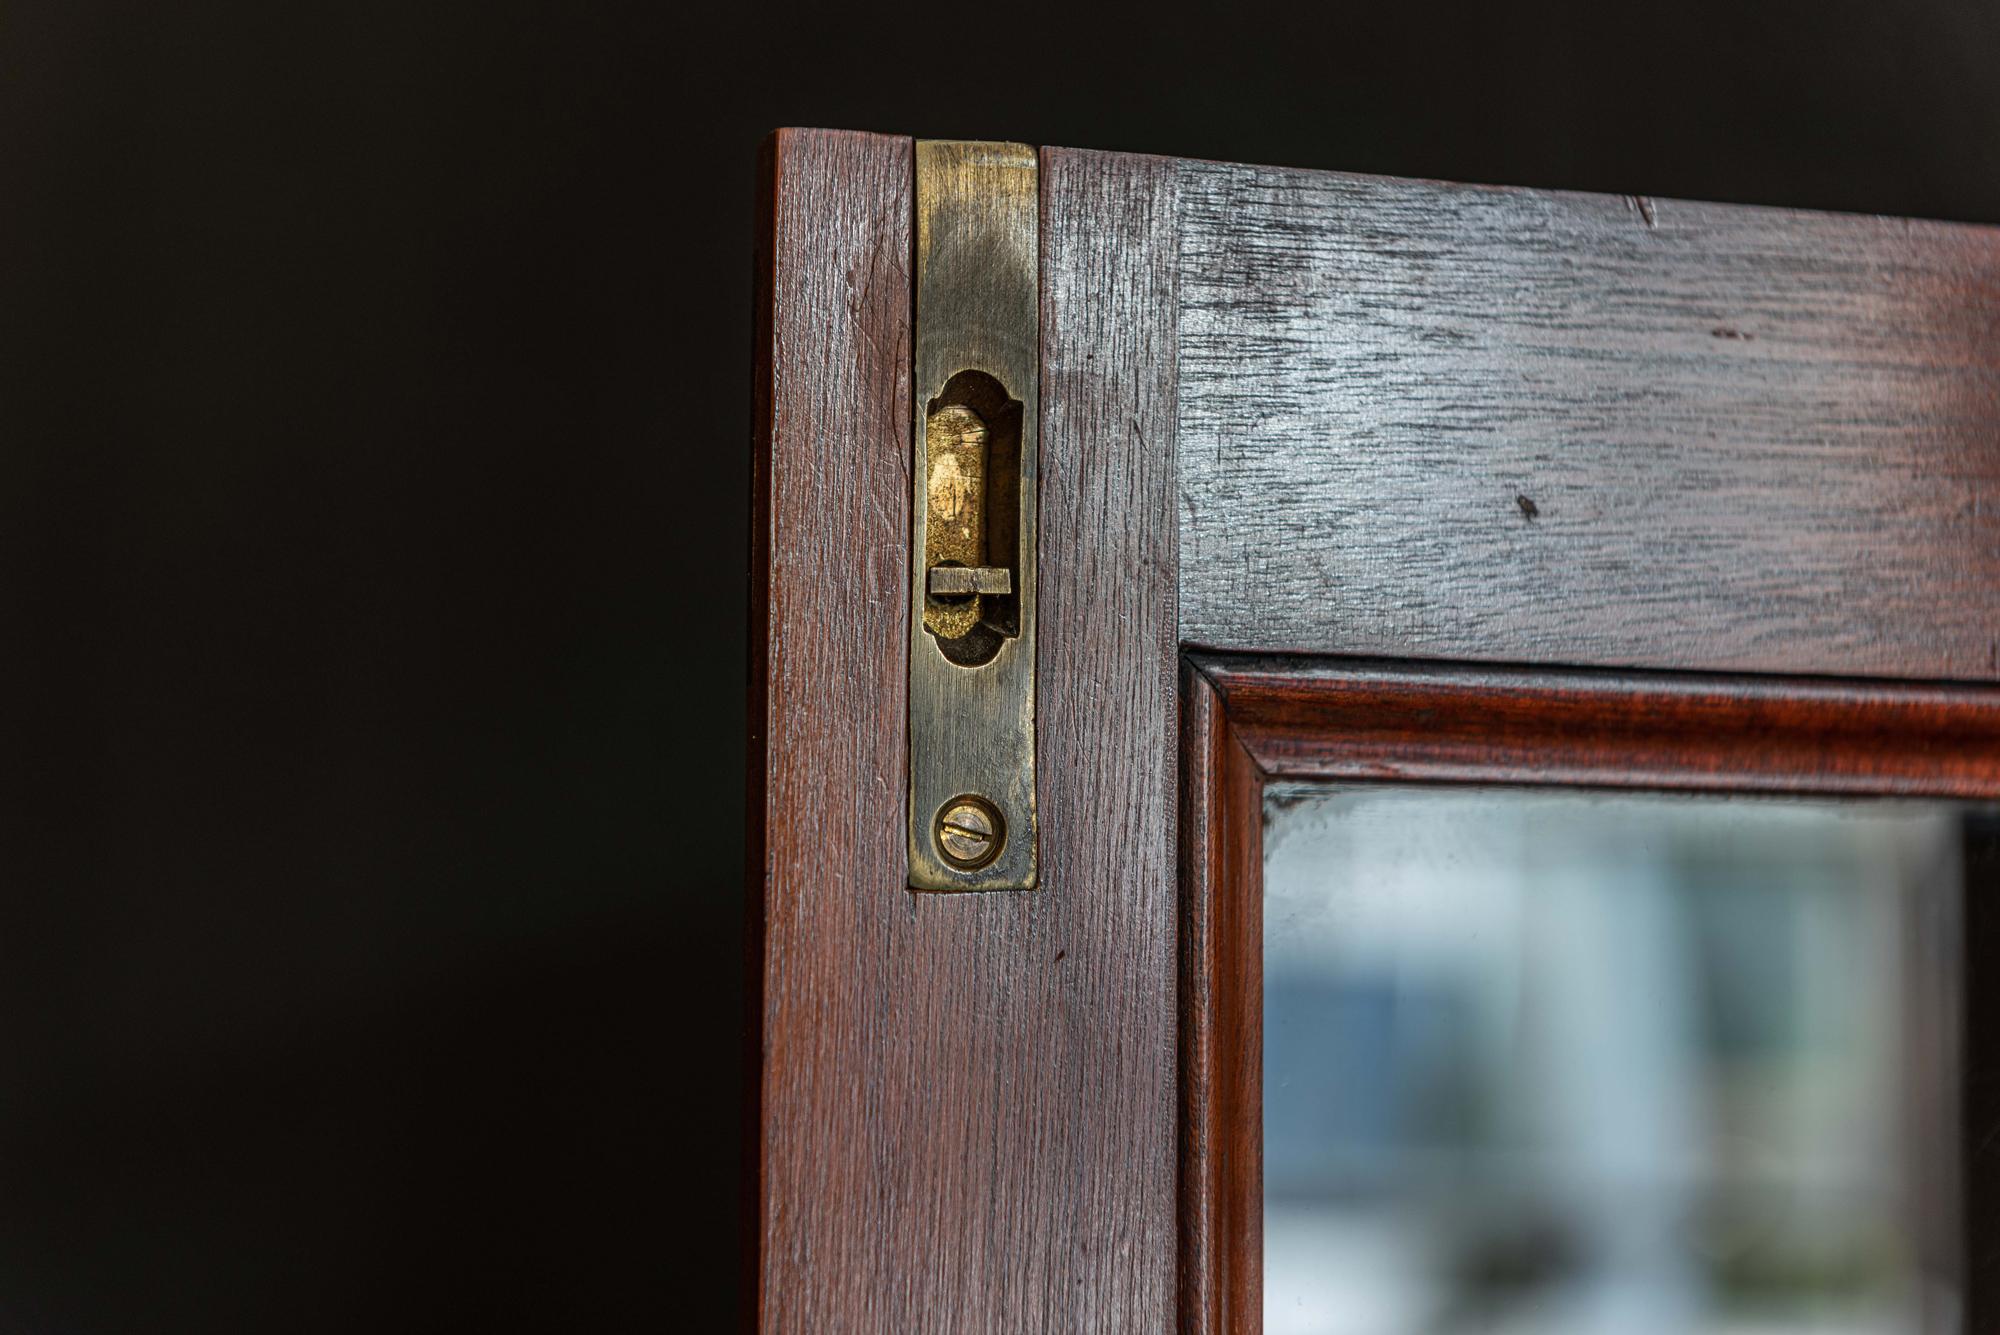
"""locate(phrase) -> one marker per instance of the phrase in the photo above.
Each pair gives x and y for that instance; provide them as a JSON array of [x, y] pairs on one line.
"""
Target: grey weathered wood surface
[[1451, 421], [967, 1102]]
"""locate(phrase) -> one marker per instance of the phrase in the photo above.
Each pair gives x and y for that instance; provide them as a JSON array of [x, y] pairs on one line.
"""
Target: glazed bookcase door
[[1696, 494]]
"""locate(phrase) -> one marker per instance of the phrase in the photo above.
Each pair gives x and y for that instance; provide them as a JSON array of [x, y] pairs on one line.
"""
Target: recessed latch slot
[[972, 440]]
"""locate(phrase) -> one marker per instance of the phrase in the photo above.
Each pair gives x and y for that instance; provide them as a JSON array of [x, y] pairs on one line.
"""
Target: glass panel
[[1566, 1063]]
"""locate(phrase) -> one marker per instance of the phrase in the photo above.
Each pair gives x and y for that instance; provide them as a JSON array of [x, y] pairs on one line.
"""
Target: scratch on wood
[[1645, 207]]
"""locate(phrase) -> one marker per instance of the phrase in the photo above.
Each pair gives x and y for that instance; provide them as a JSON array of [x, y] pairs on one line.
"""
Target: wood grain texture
[[1222, 1032], [1441, 421], [1277, 408], [827, 696], [1400, 722], [968, 1101]]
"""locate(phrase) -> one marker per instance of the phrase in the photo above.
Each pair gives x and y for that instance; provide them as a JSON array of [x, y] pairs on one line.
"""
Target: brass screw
[[970, 832]]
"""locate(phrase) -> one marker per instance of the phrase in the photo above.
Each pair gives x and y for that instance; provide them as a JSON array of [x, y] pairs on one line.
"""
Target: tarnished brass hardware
[[971, 814], [970, 832], [955, 448], [958, 581], [972, 493]]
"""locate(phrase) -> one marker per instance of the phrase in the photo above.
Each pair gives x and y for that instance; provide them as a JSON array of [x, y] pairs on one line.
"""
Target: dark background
[[374, 437]]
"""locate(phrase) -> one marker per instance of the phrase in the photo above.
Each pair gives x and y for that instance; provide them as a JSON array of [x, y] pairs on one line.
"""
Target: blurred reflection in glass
[[1562, 1063]]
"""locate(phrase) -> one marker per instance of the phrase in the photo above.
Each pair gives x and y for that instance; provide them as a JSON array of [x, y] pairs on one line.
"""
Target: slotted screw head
[[969, 832]]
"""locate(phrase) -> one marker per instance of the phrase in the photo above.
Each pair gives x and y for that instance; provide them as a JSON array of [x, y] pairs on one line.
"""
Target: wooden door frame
[[966, 1105], [1281, 412], [1250, 720]]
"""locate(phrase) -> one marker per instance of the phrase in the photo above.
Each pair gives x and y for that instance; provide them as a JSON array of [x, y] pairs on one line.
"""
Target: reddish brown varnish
[[1246, 720], [966, 1103], [1288, 411], [1222, 1018]]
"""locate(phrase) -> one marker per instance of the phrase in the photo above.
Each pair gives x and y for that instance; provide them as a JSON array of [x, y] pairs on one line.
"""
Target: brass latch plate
[[971, 815]]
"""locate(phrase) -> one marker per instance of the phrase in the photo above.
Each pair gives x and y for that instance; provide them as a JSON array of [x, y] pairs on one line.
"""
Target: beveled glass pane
[[1570, 1064]]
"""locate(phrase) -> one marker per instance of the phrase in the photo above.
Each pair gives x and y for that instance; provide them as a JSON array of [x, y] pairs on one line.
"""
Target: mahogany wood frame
[[1249, 720], [1313, 414], [965, 1105]]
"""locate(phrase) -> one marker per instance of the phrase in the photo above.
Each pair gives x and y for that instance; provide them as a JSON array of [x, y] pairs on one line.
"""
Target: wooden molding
[[1221, 1020], [1245, 721], [1370, 719]]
